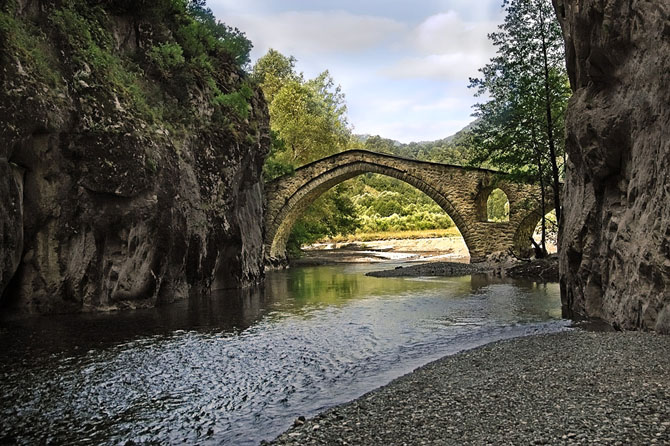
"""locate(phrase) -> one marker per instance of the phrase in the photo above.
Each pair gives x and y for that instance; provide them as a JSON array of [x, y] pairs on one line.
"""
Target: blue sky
[[403, 65]]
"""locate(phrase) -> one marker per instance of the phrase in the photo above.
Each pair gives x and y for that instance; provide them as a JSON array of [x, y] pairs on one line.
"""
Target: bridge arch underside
[[527, 226], [279, 227]]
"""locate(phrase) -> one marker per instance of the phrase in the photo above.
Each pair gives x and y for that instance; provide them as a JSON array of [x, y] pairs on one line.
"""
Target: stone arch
[[481, 200], [461, 191], [280, 225], [527, 227]]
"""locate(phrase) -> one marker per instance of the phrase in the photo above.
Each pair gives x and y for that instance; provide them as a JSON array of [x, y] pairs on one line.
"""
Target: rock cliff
[[615, 245], [131, 146]]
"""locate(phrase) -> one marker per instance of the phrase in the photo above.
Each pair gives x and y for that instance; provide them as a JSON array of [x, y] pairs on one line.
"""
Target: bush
[[237, 101], [167, 57]]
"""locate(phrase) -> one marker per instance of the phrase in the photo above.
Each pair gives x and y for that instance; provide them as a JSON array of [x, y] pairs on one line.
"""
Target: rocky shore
[[572, 387], [445, 269], [543, 270]]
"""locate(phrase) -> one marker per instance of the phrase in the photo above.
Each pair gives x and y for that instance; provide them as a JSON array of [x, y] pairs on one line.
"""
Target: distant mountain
[[451, 138], [363, 139], [453, 149]]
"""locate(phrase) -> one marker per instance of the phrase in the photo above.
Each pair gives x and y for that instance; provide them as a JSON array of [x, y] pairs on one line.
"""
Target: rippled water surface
[[237, 368]]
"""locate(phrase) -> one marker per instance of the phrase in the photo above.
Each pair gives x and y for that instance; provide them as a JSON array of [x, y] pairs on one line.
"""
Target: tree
[[521, 124], [309, 116], [273, 71], [308, 122], [232, 40]]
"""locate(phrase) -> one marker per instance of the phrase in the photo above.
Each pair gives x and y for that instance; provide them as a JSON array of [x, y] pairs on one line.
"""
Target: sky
[[403, 65]]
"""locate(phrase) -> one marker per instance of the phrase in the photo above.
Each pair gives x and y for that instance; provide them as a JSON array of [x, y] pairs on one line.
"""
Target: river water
[[239, 367]]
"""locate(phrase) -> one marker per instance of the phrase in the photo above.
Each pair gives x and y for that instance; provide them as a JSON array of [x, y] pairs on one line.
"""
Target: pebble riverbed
[[566, 388]]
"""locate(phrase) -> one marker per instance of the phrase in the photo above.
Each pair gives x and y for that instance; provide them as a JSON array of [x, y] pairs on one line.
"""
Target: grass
[[392, 235]]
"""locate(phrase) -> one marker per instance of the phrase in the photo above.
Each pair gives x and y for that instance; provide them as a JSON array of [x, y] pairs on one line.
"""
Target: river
[[240, 366]]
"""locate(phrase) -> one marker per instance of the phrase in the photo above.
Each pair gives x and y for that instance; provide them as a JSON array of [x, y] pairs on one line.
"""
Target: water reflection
[[226, 310], [237, 367]]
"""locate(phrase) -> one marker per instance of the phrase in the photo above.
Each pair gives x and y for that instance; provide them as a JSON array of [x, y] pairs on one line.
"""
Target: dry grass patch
[[392, 235]]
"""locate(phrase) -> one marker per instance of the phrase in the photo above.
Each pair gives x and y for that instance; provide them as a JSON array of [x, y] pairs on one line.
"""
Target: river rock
[[120, 189], [615, 243]]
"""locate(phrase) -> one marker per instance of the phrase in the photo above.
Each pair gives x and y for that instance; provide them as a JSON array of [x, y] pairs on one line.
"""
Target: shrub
[[237, 101], [167, 57]]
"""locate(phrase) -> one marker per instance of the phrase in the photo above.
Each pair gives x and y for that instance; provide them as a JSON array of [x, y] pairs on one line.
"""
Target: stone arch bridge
[[461, 191]]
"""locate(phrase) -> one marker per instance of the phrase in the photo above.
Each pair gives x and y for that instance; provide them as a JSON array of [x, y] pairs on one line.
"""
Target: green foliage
[[273, 71], [388, 204], [331, 214], [167, 57], [146, 9], [452, 150], [237, 101], [29, 44], [521, 125], [525, 81], [417, 221], [385, 204], [308, 122], [198, 51], [274, 167], [497, 206], [309, 116], [220, 36]]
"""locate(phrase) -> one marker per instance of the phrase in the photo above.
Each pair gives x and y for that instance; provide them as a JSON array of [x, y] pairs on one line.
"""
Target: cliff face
[[615, 245], [129, 164]]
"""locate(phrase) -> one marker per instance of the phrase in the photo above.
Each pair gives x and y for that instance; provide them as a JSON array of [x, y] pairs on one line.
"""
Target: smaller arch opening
[[550, 241], [497, 207]]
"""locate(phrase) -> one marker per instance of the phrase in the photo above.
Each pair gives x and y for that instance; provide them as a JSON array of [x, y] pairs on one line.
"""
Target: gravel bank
[[447, 269], [567, 388], [544, 270]]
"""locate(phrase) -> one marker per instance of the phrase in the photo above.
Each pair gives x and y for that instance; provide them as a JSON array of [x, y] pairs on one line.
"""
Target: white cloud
[[390, 105], [442, 104], [415, 104], [316, 32], [446, 67], [446, 47], [448, 33]]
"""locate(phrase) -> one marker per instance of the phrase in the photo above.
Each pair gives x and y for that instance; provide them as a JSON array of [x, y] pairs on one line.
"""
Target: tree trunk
[[544, 213], [550, 121], [543, 194]]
